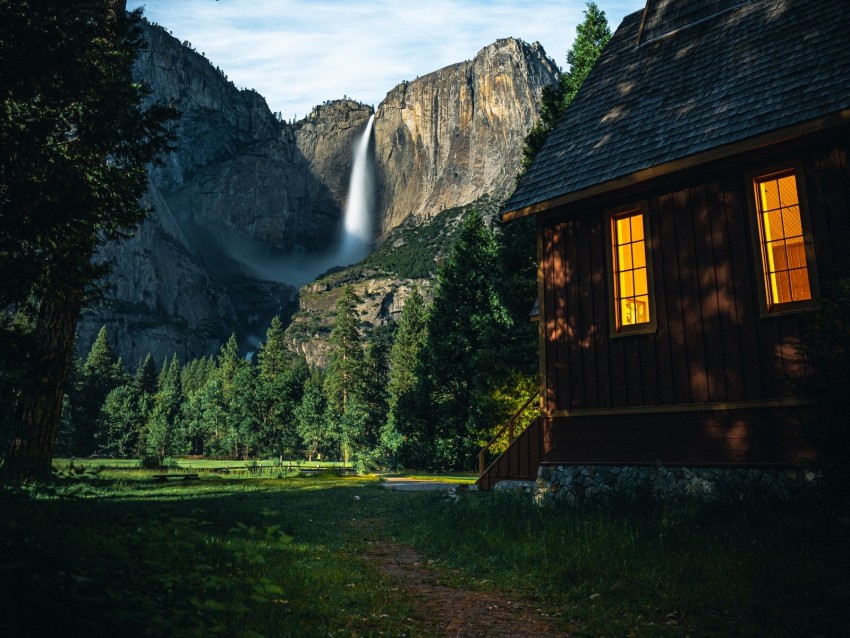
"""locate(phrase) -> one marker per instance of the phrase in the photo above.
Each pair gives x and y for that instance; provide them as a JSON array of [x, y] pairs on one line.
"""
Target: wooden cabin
[[692, 205]]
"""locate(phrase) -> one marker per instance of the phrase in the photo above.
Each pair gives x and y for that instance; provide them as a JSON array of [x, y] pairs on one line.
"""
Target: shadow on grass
[[215, 557]]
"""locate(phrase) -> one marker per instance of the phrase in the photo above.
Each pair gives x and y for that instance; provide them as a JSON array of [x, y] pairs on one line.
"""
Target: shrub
[[827, 350]]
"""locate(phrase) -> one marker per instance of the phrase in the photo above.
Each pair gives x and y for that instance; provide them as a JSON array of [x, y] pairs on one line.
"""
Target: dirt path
[[444, 610]]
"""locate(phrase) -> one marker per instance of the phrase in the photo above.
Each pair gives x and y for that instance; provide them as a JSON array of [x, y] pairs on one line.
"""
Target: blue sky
[[299, 53]]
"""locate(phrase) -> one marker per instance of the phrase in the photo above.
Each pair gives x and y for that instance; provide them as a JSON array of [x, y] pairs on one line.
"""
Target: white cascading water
[[356, 240]]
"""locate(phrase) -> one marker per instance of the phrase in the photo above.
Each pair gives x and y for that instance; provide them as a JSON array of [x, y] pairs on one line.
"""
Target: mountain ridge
[[247, 199]]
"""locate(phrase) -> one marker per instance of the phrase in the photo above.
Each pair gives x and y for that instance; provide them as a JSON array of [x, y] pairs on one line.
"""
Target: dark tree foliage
[[163, 435], [827, 351], [376, 407], [76, 138], [146, 377], [101, 373], [401, 436], [311, 419], [465, 326], [279, 387], [345, 376], [591, 37]]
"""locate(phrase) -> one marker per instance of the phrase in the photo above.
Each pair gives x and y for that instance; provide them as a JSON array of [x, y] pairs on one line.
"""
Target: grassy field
[[106, 552]]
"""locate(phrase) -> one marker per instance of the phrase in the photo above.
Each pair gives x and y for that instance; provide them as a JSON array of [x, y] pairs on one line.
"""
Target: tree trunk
[[30, 453]]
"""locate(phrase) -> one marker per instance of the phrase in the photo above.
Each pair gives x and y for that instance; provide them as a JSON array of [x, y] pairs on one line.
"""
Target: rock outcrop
[[455, 135]]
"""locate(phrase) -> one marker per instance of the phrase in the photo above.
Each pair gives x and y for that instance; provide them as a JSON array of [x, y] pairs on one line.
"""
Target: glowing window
[[783, 247], [631, 279]]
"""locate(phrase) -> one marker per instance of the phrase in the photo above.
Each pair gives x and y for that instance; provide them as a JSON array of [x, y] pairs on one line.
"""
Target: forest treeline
[[423, 392]]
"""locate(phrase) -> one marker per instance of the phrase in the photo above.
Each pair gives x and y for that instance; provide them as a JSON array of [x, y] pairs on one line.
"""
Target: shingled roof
[[677, 90]]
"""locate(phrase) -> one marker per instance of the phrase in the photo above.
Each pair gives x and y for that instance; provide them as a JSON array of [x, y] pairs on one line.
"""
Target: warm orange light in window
[[783, 247], [631, 287]]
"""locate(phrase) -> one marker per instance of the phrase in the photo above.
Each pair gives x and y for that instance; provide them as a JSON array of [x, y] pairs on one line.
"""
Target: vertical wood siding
[[711, 344]]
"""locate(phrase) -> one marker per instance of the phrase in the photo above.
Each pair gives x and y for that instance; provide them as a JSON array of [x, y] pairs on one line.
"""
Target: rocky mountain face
[[455, 135], [247, 206]]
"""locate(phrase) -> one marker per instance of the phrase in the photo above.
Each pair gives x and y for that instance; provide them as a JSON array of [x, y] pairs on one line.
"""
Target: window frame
[[611, 215], [766, 305]]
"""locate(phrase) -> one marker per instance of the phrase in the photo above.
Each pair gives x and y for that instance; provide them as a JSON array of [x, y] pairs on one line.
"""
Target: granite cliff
[[455, 135], [246, 204]]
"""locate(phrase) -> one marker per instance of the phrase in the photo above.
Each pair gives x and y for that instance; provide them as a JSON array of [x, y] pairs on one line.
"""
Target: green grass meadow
[[107, 550]]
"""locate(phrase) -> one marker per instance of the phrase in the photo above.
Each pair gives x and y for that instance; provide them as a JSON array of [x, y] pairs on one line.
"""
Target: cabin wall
[[712, 344]]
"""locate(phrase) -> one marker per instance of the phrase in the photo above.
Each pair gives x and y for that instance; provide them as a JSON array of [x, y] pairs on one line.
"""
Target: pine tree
[[345, 375], [242, 414], [311, 419], [404, 388], [123, 418], [375, 399], [591, 37], [277, 398], [146, 378], [164, 435], [99, 375], [465, 325], [273, 357], [229, 363]]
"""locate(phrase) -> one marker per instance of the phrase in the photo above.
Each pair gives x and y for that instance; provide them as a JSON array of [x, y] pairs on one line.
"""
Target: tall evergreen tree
[[591, 37], [123, 418], [146, 379], [277, 398], [76, 140], [210, 424], [465, 325], [100, 374], [311, 419], [243, 414], [401, 434], [164, 435], [229, 363], [375, 399], [345, 374], [273, 356]]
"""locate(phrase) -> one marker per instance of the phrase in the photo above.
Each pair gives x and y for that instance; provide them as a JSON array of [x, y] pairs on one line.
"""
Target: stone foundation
[[580, 483], [515, 486]]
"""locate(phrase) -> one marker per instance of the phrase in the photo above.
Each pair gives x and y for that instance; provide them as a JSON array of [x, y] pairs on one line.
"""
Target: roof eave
[[770, 138]]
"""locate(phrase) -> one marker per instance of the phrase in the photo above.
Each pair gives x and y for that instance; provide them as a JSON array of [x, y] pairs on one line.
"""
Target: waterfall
[[353, 243], [356, 241]]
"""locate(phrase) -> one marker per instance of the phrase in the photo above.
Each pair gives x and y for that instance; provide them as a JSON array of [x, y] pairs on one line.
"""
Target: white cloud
[[299, 53]]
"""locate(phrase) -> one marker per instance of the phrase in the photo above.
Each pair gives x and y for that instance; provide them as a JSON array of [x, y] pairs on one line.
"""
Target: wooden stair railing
[[511, 427]]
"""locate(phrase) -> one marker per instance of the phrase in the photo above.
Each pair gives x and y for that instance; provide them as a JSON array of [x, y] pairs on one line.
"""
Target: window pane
[[791, 223], [769, 195], [624, 236], [640, 282], [642, 304], [783, 287], [800, 284], [637, 227], [777, 252], [625, 257], [626, 286], [796, 253], [627, 312], [788, 191], [639, 252]]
